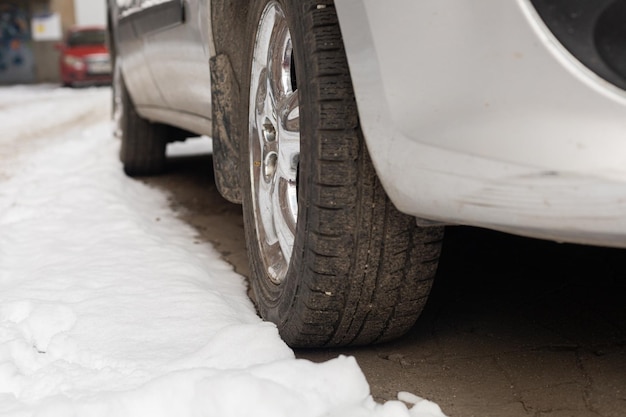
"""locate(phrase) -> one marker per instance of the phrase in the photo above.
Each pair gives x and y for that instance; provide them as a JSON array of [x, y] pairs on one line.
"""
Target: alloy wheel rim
[[274, 142]]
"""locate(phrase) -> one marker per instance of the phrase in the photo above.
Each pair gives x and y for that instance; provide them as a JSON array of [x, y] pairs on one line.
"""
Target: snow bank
[[111, 306]]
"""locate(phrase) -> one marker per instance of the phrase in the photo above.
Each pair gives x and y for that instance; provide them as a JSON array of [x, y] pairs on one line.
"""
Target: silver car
[[354, 131]]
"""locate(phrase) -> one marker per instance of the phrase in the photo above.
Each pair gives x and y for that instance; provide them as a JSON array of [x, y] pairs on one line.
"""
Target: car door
[[129, 19], [177, 54]]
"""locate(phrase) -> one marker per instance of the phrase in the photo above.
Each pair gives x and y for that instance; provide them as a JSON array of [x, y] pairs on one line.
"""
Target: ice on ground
[[111, 306]]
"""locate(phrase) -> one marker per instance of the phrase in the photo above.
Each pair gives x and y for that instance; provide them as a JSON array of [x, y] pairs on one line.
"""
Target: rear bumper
[[475, 114]]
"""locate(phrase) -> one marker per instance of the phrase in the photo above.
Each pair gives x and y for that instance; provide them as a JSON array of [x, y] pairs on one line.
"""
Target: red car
[[85, 57]]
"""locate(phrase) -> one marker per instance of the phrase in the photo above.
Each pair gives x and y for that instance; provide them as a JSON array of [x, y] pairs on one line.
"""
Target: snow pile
[[110, 306]]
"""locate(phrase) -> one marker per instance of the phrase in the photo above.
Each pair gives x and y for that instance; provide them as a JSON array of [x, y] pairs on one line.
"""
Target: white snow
[[110, 305]]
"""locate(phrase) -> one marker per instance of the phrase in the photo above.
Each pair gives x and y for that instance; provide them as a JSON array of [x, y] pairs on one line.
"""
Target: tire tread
[[365, 269], [143, 144]]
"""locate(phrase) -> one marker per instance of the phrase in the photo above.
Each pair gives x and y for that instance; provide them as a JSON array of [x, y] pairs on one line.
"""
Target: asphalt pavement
[[514, 327]]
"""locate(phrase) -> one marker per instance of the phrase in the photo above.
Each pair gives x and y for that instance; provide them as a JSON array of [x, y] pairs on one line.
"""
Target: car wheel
[[332, 260], [143, 143]]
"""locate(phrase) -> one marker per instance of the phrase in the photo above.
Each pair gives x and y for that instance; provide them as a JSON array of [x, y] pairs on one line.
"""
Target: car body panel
[[474, 114], [177, 51], [163, 43], [130, 57]]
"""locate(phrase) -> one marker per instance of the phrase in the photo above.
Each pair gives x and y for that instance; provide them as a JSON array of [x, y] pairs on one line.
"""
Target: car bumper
[[474, 114], [82, 78], [93, 69]]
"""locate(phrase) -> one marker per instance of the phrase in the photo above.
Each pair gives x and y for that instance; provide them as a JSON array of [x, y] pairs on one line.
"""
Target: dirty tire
[[143, 144], [358, 271]]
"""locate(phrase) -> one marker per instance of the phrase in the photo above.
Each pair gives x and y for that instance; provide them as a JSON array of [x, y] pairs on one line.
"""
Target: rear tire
[[143, 144], [342, 266]]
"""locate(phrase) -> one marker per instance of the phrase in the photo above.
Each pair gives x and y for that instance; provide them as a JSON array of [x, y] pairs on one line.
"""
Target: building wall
[[17, 64], [46, 54], [90, 12], [23, 59]]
